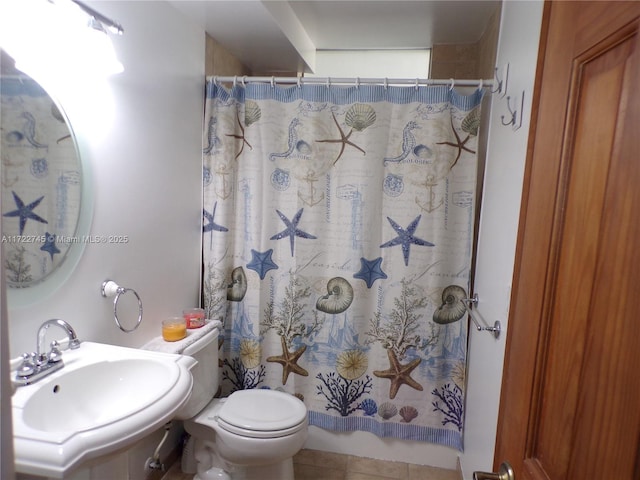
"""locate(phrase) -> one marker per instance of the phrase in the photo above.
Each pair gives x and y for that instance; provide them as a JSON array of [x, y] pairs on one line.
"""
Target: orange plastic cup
[[174, 329]]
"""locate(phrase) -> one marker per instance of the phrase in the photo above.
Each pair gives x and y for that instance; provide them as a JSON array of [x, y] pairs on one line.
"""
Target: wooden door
[[570, 406]]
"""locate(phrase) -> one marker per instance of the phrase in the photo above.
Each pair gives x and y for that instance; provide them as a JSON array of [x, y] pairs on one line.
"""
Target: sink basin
[[95, 395], [105, 398]]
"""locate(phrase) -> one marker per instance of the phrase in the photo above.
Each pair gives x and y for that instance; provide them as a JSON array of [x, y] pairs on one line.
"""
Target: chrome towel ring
[[109, 289]]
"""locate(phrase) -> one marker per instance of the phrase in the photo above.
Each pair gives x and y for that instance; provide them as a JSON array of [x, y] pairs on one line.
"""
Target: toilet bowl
[[252, 434], [249, 435]]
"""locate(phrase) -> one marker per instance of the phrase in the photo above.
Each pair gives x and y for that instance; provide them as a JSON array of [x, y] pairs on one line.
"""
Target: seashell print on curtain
[[335, 220]]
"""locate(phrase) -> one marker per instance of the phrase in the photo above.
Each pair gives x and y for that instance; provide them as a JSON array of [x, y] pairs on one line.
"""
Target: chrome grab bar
[[495, 329]]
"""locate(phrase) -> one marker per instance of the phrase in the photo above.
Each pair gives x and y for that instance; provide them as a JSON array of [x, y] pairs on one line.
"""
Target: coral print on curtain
[[338, 232]]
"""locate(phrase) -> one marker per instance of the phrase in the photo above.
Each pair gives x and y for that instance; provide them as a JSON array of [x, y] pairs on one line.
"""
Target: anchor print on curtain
[[334, 221]]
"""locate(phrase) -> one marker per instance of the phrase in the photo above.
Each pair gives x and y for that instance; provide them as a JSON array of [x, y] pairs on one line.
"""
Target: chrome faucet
[[42, 331], [38, 364]]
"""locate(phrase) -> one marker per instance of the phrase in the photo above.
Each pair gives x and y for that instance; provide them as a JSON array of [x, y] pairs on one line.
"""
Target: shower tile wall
[[454, 61], [469, 61]]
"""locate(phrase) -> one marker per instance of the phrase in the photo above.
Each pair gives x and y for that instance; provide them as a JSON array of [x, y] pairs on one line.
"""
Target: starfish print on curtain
[[292, 231], [289, 361], [470, 125], [406, 238], [399, 374]]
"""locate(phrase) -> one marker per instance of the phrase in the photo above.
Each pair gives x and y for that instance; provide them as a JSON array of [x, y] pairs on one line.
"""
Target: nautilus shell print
[[338, 298], [238, 286], [303, 148], [453, 307]]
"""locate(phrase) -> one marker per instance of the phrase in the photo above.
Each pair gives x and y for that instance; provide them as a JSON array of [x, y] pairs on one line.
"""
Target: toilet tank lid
[[263, 410]]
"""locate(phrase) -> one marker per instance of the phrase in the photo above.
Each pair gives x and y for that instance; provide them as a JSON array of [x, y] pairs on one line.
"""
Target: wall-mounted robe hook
[[515, 114], [501, 82]]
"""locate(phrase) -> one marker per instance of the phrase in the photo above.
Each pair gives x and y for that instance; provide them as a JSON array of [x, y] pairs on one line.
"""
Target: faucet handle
[[27, 366], [55, 355]]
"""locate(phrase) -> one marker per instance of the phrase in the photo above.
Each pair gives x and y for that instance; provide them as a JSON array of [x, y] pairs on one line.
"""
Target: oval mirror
[[41, 180]]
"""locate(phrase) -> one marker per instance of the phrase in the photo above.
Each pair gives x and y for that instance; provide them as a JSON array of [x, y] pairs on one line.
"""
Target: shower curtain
[[337, 237]]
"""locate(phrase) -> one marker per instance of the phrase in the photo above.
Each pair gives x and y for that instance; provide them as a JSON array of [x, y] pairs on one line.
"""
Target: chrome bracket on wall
[[495, 329], [515, 107], [501, 82], [110, 288], [515, 113]]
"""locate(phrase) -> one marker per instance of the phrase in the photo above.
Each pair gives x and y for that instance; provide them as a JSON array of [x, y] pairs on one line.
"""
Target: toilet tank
[[205, 374]]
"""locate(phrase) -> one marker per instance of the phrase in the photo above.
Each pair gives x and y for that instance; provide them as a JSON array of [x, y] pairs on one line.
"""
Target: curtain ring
[[235, 80], [417, 81], [273, 82], [299, 82], [215, 81], [242, 80], [481, 84], [358, 83], [453, 84], [328, 82], [386, 83]]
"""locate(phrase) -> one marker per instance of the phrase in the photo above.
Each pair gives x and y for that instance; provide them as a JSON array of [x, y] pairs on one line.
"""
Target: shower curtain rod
[[354, 81]]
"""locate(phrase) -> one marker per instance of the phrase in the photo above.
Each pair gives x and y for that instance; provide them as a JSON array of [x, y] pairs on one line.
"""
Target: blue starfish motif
[[261, 262], [50, 245], [292, 229], [25, 212], [370, 271], [212, 225], [406, 238]]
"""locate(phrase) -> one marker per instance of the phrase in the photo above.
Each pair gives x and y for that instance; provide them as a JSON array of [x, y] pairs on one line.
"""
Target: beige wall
[[219, 61], [454, 61], [468, 61], [488, 47]]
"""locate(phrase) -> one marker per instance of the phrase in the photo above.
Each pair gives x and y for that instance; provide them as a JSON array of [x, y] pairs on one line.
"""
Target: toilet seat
[[261, 414], [243, 432]]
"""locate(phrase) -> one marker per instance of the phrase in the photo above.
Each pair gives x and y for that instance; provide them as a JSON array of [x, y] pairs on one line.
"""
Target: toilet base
[[278, 471], [213, 474]]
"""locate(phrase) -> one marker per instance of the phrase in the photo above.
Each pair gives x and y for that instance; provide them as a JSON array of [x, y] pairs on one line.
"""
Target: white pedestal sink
[[104, 399]]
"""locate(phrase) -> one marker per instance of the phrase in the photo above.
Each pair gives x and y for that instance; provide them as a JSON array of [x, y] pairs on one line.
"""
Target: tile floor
[[316, 465]]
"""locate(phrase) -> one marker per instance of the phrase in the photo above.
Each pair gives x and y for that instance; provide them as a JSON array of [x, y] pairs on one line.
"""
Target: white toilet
[[252, 434]]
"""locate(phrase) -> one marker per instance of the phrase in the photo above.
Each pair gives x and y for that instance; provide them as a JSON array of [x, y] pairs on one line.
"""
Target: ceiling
[[271, 36]]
